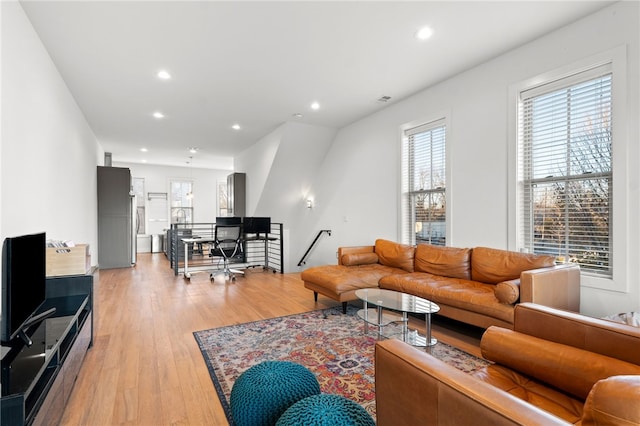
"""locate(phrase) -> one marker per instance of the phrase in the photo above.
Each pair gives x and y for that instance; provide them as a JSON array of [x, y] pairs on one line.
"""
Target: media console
[[37, 379]]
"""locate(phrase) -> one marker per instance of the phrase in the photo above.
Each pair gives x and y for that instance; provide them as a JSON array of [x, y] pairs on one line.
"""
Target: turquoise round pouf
[[326, 410], [265, 391]]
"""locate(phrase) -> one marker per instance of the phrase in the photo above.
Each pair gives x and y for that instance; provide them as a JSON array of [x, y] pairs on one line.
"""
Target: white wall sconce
[[309, 203]]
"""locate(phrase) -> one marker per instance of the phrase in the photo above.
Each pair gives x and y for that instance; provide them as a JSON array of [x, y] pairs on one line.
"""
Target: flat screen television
[[256, 225], [23, 284]]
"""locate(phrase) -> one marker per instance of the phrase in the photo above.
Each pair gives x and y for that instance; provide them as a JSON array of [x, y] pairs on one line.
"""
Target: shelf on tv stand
[[37, 380]]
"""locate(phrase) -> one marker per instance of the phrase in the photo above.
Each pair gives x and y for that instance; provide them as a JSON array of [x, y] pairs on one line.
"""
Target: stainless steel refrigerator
[[116, 218]]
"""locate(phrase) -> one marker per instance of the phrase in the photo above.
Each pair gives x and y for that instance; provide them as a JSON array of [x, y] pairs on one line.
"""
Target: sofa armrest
[[412, 387], [567, 368], [613, 401], [608, 338], [556, 286], [354, 250]]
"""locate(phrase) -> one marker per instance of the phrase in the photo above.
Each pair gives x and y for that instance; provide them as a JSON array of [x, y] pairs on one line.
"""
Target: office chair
[[227, 244]]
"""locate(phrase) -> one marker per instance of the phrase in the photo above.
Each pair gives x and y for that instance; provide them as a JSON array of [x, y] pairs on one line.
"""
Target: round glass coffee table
[[400, 305]]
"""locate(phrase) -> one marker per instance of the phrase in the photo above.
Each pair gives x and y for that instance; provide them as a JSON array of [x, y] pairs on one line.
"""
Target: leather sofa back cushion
[[354, 259], [492, 266], [395, 255], [569, 369], [444, 261]]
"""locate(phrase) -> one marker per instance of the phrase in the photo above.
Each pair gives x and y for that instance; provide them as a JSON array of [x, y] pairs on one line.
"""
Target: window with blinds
[[424, 184], [566, 170], [181, 199]]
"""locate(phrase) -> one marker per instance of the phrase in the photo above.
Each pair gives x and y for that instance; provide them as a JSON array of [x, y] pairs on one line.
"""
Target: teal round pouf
[[326, 410], [265, 391]]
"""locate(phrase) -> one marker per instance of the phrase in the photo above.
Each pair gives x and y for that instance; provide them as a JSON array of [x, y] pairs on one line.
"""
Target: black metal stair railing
[[306, 254]]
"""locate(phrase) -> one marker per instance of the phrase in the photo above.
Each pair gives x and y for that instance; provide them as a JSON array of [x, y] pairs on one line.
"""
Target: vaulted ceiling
[[258, 64]]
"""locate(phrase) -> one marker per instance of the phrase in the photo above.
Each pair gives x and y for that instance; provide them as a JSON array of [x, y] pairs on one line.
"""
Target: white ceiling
[[258, 63]]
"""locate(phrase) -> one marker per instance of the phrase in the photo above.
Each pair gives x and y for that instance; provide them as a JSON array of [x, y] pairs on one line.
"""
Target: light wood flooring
[[145, 367]]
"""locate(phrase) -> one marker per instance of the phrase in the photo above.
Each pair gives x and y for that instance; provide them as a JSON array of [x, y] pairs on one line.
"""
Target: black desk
[[265, 240]]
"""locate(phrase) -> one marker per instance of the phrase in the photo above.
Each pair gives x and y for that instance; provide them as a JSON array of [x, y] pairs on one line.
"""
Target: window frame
[[222, 198], [406, 215], [619, 241], [188, 208], [563, 94]]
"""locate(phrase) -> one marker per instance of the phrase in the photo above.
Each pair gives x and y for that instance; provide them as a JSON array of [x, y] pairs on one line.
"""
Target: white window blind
[[424, 184], [566, 170]]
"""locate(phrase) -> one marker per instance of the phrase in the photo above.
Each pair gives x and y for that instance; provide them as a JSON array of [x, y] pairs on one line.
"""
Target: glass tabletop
[[397, 301]]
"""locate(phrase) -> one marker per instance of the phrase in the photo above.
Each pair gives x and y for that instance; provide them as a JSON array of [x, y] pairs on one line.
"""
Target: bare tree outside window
[[568, 174], [425, 183]]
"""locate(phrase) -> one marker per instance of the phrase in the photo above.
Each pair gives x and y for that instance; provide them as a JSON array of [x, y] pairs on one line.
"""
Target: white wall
[[280, 170], [157, 178], [356, 186], [1, 130], [259, 160], [49, 152]]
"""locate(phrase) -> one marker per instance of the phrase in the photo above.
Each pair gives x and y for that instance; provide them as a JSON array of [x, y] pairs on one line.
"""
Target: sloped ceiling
[[258, 63]]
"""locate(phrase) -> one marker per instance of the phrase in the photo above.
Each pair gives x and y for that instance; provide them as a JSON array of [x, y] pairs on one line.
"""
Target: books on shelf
[[60, 243]]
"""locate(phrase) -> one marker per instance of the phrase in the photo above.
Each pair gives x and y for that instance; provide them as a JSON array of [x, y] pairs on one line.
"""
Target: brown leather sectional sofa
[[553, 368], [479, 286]]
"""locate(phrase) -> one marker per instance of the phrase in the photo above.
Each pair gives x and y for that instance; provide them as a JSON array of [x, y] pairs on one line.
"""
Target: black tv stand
[[22, 334], [37, 378]]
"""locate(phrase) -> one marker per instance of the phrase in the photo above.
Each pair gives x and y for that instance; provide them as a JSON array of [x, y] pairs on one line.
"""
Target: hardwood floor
[[145, 367]]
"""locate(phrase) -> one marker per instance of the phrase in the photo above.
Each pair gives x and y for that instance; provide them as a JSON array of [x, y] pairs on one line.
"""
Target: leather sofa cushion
[[613, 402], [340, 278], [468, 295], [445, 261], [354, 259], [492, 266], [544, 397], [569, 369], [508, 291], [395, 255]]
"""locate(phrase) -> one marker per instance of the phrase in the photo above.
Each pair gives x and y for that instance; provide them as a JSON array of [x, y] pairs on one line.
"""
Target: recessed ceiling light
[[315, 106], [193, 150], [144, 161], [236, 126], [158, 115], [144, 149], [424, 33], [297, 115], [163, 75]]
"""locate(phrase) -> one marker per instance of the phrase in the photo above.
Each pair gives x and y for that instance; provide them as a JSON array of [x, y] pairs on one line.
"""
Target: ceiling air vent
[[384, 99]]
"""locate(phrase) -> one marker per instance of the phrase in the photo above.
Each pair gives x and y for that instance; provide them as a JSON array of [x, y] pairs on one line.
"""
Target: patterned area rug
[[332, 345]]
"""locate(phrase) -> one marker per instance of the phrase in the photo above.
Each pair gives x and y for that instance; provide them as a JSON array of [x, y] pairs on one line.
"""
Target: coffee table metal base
[[380, 318], [393, 303]]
